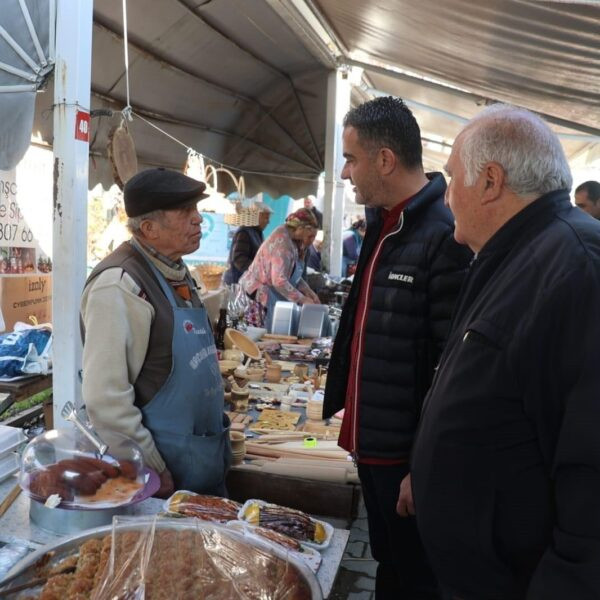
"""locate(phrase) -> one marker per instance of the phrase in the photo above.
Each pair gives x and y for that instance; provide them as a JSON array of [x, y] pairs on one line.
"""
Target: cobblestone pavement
[[356, 576]]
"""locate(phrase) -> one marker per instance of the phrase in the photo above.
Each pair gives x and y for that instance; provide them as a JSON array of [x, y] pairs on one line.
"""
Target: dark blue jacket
[[244, 246], [415, 283], [506, 462]]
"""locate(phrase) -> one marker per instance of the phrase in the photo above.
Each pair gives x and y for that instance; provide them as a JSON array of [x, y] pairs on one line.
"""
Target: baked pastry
[[186, 563]]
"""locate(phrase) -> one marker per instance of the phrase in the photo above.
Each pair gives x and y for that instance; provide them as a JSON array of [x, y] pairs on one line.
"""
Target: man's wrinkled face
[[462, 200], [179, 231], [308, 203], [360, 169], [583, 201]]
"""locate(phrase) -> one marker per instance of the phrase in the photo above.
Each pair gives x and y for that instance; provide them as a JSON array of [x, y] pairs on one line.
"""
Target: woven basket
[[247, 216]]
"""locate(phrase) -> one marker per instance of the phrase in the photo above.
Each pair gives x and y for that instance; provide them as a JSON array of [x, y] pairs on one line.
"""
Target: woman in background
[[276, 271]]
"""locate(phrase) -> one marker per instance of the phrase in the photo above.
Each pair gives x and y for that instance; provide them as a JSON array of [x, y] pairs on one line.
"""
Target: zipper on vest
[[361, 339]]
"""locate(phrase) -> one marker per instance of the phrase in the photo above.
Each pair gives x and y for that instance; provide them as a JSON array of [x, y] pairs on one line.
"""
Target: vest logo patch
[[188, 327], [402, 277]]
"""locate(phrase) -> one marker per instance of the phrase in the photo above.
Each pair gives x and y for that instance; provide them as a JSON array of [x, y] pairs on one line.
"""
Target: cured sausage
[[107, 469], [44, 483], [79, 466], [128, 469]]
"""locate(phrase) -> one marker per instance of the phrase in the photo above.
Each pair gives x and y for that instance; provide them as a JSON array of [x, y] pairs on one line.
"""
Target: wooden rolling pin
[[316, 472], [283, 338], [10, 498]]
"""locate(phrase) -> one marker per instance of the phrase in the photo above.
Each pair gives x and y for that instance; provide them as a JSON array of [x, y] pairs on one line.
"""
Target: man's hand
[[405, 506], [167, 487]]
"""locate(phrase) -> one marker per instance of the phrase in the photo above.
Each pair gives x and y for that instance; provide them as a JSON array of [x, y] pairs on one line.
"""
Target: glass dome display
[[62, 467]]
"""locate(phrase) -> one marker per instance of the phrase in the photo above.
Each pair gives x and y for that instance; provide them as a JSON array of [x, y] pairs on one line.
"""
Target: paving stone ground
[[356, 576]]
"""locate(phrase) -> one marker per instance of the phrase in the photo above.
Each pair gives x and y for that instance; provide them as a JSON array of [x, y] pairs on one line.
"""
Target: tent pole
[[338, 104], [72, 76]]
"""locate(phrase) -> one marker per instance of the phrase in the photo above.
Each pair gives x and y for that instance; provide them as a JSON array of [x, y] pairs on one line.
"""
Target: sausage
[[45, 482], [78, 476], [128, 469], [107, 469], [79, 466]]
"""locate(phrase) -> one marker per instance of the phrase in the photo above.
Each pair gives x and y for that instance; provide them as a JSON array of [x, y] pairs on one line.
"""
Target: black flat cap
[[160, 189]]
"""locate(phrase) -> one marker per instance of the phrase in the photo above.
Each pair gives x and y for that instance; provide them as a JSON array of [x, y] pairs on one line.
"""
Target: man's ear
[[386, 161], [149, 229], [493, 181]]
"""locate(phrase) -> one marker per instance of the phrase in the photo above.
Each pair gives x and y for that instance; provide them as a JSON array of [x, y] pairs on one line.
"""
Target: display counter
[[15, 525]]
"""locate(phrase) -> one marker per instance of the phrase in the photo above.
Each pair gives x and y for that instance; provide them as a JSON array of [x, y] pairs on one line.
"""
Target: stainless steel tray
[[25, 570]]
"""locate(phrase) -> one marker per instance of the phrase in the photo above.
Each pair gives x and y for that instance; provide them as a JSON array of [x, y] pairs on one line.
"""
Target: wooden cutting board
[[122, 155]]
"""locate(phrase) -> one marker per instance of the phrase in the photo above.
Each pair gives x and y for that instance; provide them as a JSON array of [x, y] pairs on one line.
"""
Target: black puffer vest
[[415, 283]]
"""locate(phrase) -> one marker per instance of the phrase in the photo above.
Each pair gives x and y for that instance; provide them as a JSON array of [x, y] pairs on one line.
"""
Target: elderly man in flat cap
[[150, 368]]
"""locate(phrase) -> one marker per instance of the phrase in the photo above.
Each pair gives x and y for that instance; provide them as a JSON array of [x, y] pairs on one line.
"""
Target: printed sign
[[25, 208], [82, 126]]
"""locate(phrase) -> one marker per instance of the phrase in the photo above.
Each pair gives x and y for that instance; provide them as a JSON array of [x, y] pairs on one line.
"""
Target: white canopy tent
[[261, 85]]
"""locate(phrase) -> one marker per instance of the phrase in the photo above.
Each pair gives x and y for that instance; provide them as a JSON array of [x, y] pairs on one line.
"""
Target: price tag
[[82, 126]]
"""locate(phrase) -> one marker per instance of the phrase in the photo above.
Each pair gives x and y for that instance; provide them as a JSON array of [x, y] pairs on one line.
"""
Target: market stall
[[78, 489], [20, 536]]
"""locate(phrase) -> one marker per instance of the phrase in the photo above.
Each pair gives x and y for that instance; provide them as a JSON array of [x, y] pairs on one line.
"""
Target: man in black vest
[[393, 327], [149, 359], [245, 244]]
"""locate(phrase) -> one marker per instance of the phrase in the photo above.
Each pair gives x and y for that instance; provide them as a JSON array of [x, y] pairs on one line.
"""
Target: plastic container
[[10, 439], [9, 464]]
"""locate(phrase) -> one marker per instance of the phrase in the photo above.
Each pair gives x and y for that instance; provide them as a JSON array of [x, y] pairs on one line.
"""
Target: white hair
[[134, 223], [522, 143]]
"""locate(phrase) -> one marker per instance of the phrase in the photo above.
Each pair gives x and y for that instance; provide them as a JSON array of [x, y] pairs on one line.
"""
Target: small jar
[[301, 370], [273, 373]]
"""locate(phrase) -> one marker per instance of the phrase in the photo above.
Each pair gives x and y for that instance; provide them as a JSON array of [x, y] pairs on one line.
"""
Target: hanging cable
[[217, 162], [127, 110]]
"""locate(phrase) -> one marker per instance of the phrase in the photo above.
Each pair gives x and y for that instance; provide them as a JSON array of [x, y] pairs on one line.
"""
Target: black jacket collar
[[425, 196], [532, 217]]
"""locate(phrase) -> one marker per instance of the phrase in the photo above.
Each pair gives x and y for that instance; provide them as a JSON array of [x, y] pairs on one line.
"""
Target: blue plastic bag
[[25, 351]]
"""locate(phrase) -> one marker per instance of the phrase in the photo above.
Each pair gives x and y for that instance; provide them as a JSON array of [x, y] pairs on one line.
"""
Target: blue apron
[[186, 416], [274, 296]]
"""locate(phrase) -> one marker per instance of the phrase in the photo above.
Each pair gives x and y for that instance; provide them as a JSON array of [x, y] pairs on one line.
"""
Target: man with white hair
[[506, 462], [309, 204]]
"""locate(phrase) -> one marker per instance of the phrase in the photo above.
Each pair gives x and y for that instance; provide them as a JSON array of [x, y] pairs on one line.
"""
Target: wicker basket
[[244, 215], [210, 275]]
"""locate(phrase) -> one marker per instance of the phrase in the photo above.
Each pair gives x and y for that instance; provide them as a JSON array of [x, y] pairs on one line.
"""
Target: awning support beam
[[338, 104], [69, 255]]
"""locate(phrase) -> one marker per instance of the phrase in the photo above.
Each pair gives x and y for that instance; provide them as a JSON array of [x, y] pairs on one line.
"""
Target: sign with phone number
[[13, 227]]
